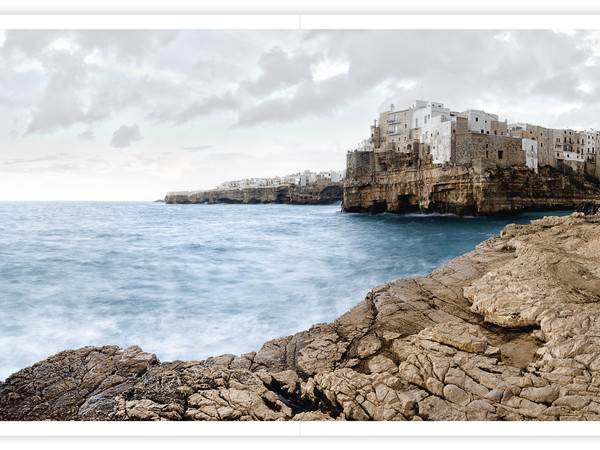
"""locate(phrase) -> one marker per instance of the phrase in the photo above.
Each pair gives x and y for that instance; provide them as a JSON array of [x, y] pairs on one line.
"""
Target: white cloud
[[327, 69], [68, 45]]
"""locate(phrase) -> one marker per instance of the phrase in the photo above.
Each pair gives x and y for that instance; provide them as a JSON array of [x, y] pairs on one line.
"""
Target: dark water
[[191, 281]]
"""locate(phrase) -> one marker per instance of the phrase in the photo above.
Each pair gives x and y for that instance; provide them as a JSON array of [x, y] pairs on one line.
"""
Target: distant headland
[[305, 188]]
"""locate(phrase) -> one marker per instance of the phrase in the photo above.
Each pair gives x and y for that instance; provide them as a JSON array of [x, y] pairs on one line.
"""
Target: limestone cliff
[[509, 331], [312, 194], [401, 183]]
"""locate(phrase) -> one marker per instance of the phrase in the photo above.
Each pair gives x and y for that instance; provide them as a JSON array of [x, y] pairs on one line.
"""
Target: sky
[[133, 114]]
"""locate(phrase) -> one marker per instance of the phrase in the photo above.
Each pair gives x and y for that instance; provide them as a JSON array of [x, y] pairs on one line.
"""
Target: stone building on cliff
[[434, 133], [429, 158]]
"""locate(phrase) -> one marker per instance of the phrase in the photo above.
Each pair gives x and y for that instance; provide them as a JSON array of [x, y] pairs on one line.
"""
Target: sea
[[191, 281]]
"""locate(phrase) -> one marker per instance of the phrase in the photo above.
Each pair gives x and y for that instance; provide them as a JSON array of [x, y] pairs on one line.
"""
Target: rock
[[588, 208], [480, 410], [320, 193], [546, 394], [456, 395], [509, 331], [405, 183]]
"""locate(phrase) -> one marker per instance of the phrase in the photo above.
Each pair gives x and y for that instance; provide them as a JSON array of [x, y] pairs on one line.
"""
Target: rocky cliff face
[[314, 194], [466, 190], [509, 331]]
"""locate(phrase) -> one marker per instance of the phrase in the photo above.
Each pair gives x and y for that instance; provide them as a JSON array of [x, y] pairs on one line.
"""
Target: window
[[486, 146], [495, 131], [481, 131], [476, 119], [487, 154], [500, 154]]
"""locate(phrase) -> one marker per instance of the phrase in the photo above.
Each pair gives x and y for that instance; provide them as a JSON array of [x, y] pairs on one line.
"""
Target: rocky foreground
[[509, 331]]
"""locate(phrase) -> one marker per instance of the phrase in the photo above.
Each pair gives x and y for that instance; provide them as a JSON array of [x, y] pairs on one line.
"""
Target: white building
[[422, 113], [338, 176], [440, 139], [479, 121], [307, 177], [591, 145], [530, 147]]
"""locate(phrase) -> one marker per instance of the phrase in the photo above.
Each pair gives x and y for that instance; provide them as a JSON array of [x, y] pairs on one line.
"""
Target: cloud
[[59, 163], [69, 77], [205, 106], [89, 76], [279, 70], [463, 68], [60, 104], [199, 148], [126, 136], [87, 135]]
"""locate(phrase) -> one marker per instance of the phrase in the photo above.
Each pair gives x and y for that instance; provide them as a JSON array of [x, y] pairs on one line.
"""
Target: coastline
[[323, 193], [505, 332]]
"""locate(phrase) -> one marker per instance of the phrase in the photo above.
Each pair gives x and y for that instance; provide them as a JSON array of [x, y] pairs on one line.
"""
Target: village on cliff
[[428, 158], [430, 130]]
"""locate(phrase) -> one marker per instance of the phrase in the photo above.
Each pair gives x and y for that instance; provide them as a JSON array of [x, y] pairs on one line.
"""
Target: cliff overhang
[[404, 183]]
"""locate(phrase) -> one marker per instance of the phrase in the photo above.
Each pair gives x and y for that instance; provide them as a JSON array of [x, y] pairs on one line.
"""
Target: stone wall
[[360, 163], [501, 151]]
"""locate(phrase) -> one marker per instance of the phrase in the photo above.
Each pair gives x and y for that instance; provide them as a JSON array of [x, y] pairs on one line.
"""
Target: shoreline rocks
[[509, 331], [312, 194]]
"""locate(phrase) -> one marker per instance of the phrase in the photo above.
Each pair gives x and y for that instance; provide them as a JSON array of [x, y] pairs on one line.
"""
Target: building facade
[[439, 135]]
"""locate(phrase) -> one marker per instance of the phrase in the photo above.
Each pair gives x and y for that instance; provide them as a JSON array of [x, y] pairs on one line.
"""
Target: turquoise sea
[[192, 281]]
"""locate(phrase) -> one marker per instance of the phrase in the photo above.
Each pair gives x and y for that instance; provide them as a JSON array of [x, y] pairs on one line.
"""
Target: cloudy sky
[[130, 115]]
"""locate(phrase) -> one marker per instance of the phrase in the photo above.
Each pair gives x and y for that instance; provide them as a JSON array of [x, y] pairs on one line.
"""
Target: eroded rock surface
[[509, 331]]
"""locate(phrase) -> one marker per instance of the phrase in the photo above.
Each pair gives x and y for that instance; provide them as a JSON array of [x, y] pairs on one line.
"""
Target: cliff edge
[[312, 194], [509, 331], [399, 182]]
